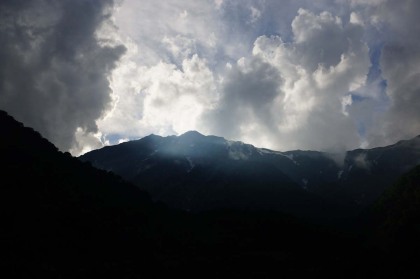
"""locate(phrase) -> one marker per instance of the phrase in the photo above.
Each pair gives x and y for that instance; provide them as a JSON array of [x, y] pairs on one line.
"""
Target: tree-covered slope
[[397, 217], [64, 218]]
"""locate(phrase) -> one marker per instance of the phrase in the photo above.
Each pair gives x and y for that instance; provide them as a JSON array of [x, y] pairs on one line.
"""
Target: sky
[[329, 75]]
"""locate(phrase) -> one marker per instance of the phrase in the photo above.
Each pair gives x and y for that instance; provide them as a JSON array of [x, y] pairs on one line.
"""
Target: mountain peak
[[192, 134]]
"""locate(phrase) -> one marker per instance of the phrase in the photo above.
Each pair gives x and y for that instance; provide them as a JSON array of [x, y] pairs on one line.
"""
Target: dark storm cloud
[[54, 69]]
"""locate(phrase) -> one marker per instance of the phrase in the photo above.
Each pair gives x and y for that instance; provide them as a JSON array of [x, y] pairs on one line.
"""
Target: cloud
[[171, 30], [162, 99], [54, 69], [315, 73], [290, 94], [240, 90], [168, 75], [294, 74], [361, 161], [255, 14], [396, 23], [249, 90]]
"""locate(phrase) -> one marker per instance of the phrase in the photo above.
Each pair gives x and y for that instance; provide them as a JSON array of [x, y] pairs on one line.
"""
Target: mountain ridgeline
[[62, 218], [197, 172]]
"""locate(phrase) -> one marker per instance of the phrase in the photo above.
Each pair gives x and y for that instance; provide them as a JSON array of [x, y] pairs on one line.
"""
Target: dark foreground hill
[[61, 217], [395, 221], [64, 219]]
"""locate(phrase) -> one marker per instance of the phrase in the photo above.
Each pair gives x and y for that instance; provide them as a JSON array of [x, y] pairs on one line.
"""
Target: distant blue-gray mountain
[[197, 172]]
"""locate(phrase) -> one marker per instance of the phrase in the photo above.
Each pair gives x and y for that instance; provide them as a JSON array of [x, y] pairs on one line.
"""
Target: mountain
[[197, 172], [61, 218], [392, 225], [367, 173], [397, 215]]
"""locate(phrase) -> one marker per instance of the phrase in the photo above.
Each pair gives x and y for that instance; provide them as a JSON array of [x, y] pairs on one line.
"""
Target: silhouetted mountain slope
[[60, 217]]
